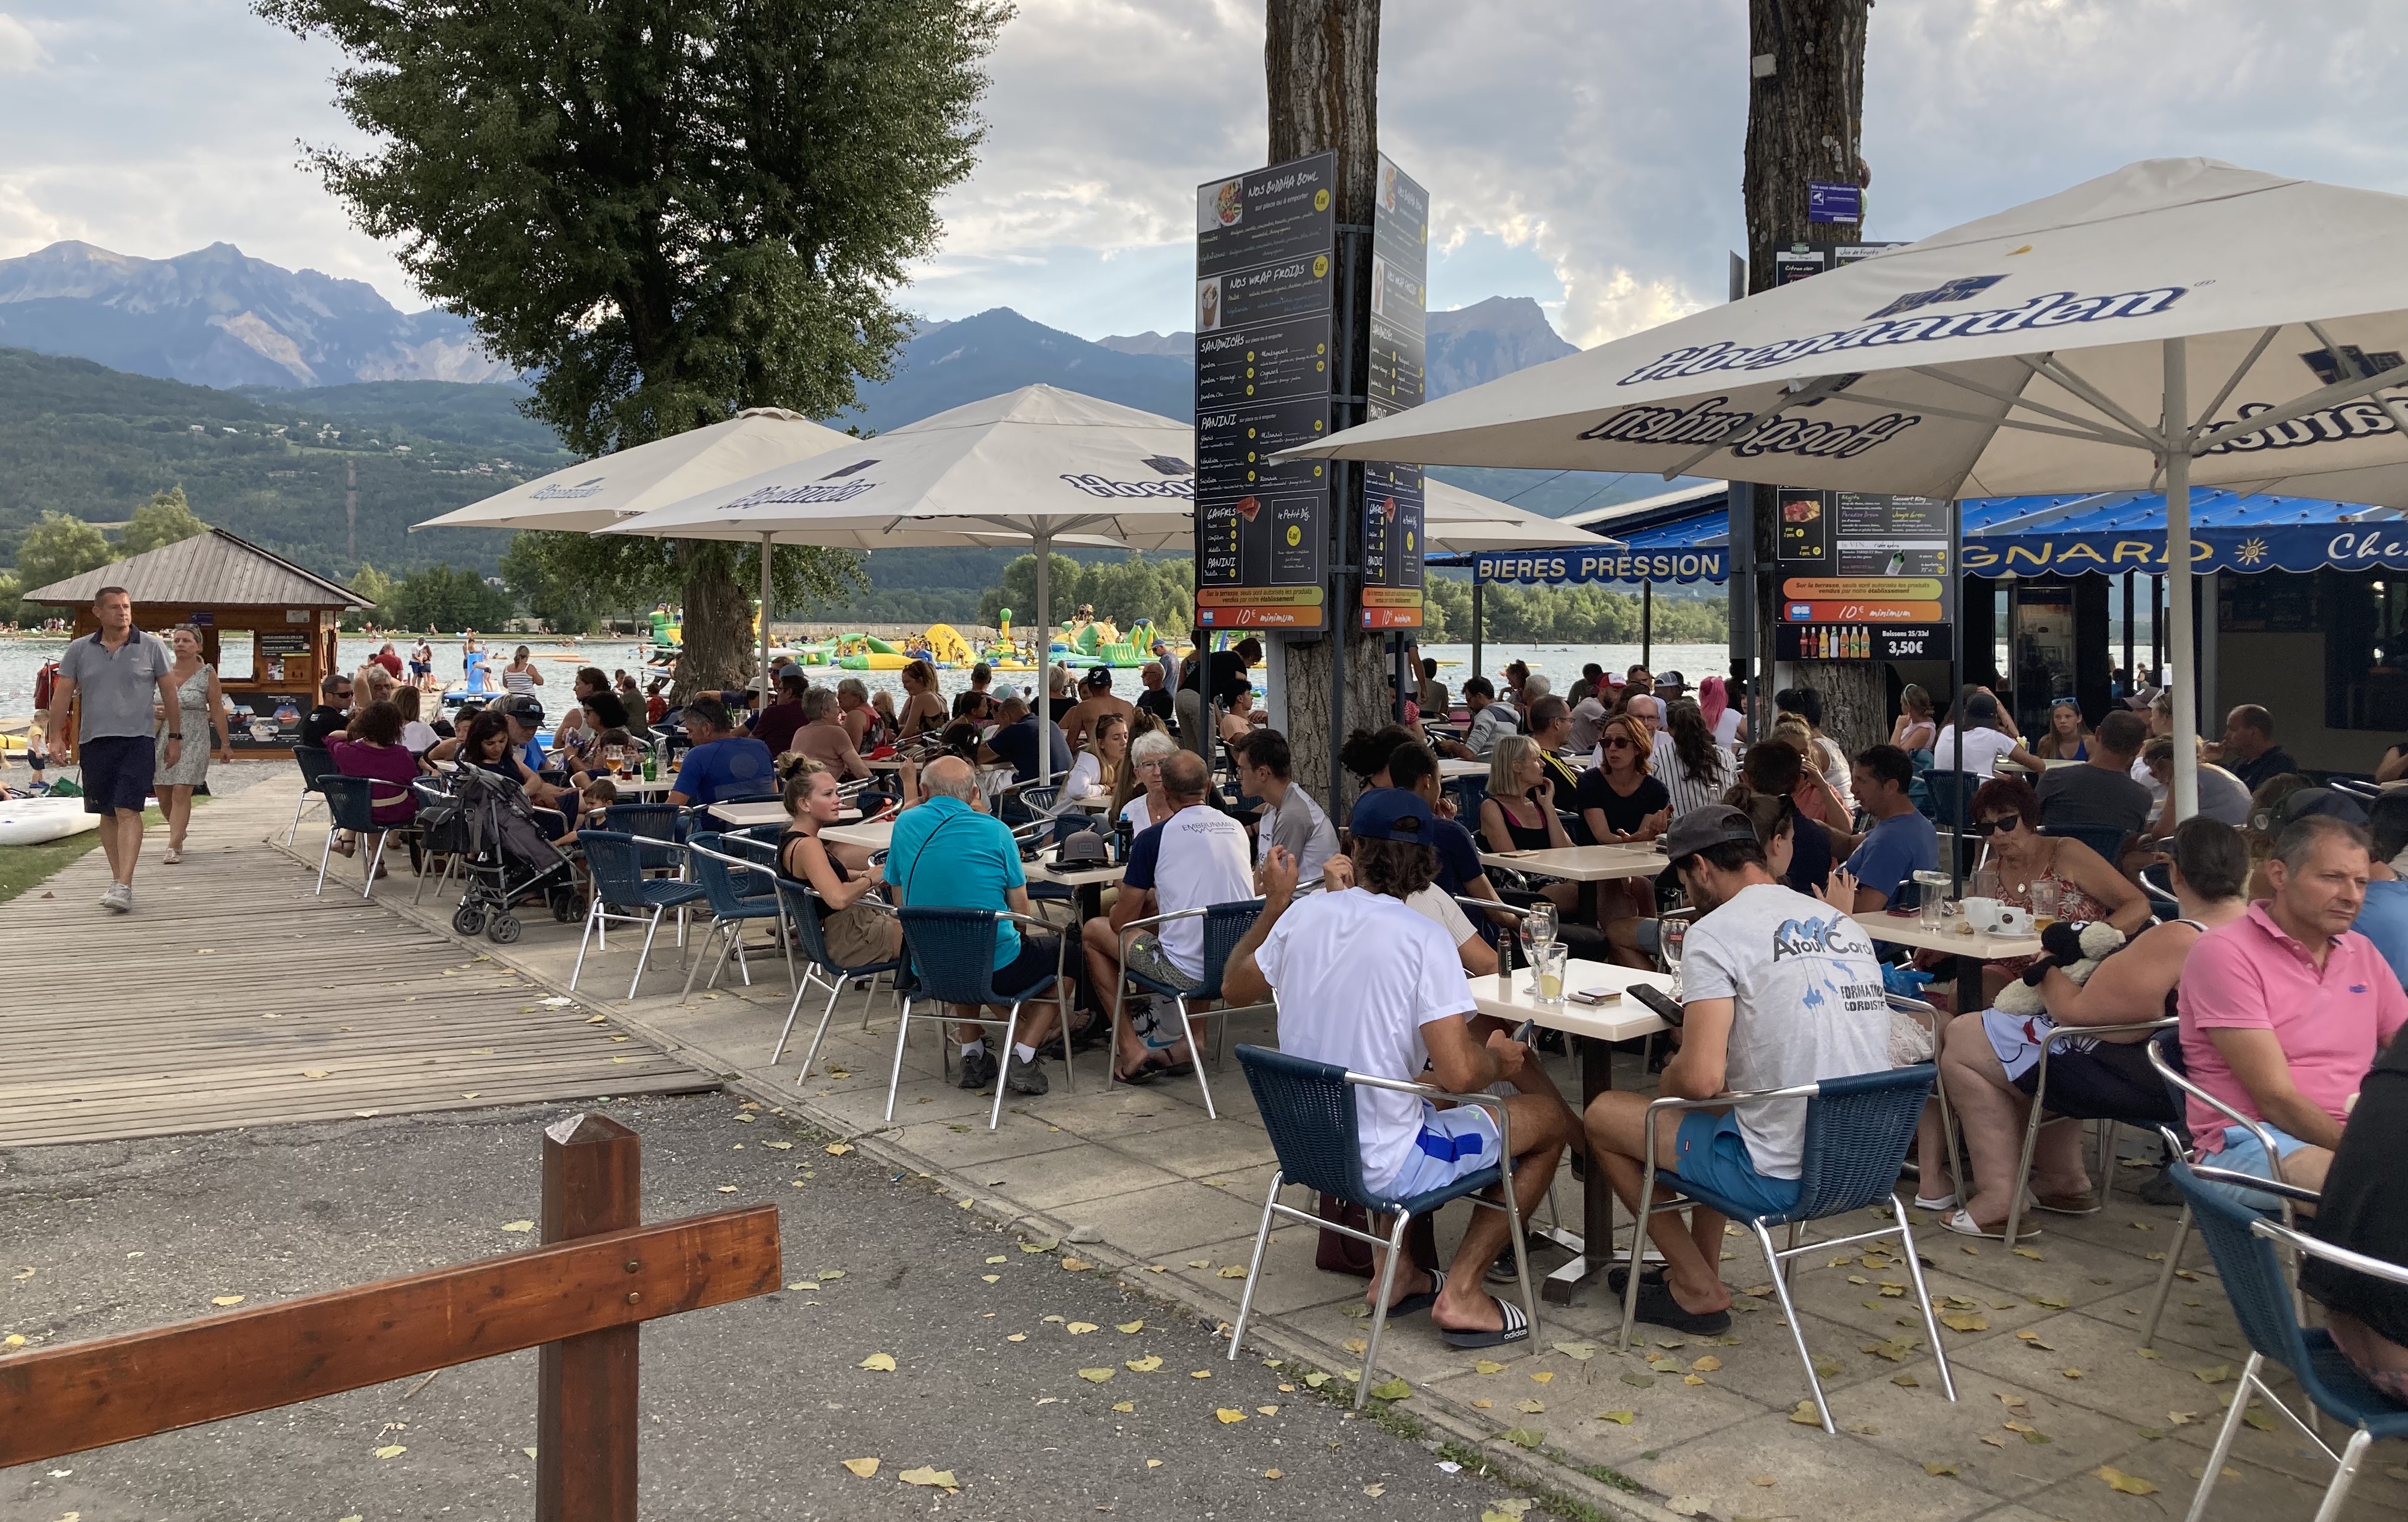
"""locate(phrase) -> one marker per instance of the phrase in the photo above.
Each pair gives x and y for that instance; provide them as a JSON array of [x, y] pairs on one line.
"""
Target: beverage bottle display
[[1896, 563]]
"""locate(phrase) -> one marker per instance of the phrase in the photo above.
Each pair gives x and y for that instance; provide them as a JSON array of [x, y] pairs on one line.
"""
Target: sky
[[1581, 152]]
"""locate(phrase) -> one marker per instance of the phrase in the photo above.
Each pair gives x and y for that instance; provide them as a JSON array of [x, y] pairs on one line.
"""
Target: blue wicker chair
[[1858, 1130], [1224, 926], [1308, 1107], [802, 908], [623, 895], [739, 892], [952, 952]]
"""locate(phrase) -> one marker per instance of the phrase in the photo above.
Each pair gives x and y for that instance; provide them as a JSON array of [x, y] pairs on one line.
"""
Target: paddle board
[[30, 821]]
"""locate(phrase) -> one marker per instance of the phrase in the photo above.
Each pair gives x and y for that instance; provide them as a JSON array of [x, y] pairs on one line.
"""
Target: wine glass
[[1672, 935], [1541, 924], [615, 758]]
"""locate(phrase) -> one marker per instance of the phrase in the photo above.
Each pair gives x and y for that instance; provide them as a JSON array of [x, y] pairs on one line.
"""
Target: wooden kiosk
[[277, 621]]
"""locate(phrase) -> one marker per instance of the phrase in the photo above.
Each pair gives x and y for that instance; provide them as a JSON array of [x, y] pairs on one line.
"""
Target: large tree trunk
[[717, 649], [1805, 121], [1321, 66]]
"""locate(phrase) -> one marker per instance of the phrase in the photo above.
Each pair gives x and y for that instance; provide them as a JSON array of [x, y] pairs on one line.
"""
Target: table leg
[[1597, 1194], [1969, 985]]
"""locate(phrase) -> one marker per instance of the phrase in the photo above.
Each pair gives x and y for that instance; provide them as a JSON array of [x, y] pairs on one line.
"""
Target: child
[[595, 796]]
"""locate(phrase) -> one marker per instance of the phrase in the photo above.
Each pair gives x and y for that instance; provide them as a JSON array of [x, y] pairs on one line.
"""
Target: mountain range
[[216, 317]]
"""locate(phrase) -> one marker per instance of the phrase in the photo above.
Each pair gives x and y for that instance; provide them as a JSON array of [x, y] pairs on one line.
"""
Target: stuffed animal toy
[[2075, 949]]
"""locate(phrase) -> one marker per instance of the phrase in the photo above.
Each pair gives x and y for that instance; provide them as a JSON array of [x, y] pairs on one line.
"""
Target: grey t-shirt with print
[[1809, 1006]]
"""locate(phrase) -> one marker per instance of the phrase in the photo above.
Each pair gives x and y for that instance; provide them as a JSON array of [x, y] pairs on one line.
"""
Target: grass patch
[[27, 867]]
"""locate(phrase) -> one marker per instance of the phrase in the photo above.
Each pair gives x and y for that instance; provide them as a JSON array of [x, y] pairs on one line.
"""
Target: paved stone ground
[[1169, 1198], [750, 1409]]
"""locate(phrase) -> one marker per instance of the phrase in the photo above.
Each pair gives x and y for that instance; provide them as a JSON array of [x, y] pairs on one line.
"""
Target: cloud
[[20, 52], [1586, 155]]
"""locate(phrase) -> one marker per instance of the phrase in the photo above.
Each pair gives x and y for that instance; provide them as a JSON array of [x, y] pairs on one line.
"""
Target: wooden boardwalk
[[231, 997]]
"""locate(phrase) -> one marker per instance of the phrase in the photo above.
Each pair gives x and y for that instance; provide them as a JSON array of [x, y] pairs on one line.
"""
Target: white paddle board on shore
[[30, 821]]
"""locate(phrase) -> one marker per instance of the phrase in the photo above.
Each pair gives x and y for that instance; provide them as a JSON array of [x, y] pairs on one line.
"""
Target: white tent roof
[[1456, 521], [604, 489]]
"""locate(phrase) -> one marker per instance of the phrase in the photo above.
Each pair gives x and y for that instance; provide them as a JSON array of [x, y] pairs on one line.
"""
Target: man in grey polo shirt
[[112, 679]]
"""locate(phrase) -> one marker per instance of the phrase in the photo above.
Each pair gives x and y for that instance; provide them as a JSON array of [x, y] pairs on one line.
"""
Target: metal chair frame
[[314, 762], [2182, 1084], [358, 815], [1470, 1187], [1209, 993], [2032, 1122], [430, 793], [1778, 1258], [1059, 983], [658, 895], [819, 967], [730, 911], [2299, 1346]]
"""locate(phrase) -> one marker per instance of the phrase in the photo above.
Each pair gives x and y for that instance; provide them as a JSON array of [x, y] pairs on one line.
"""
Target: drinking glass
[[1541, 922], [1672, 934], [1552, 957], [2044, 903], [615, 758], [1934, 894]]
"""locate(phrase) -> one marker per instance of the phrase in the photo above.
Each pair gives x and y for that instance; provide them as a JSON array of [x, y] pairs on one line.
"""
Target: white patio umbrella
[[599, 491], [2056, 347], [1037, 466], [1458, 522]]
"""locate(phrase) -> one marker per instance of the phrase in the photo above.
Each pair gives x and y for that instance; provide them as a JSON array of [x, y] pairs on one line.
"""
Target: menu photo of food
[[1208, 304], [1249, 507], [1803, 508], [1220, 205]]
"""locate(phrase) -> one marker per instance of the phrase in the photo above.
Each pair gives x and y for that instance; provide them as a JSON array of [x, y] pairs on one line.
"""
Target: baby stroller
[[509, 857]]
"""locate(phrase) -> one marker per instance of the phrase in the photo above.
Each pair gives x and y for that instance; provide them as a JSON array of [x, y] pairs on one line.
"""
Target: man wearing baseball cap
[[1778, 989], [1371, 985]]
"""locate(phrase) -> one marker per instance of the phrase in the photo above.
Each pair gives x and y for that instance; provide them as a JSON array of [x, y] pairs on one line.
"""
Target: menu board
[[1266, 246], [1865, 576], [1393, 494]]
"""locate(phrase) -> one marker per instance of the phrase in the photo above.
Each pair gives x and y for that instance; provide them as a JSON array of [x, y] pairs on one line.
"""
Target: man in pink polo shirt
[[2283, 1010]]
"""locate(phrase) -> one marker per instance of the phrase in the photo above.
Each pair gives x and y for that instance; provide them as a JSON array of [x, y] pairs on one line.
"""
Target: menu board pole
[[1956, 694]]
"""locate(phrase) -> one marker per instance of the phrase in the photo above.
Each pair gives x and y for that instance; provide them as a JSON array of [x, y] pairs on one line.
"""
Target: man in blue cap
[[1371, 985]]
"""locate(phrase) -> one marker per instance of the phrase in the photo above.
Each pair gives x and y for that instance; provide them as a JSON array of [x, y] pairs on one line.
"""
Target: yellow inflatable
[[947, 647]]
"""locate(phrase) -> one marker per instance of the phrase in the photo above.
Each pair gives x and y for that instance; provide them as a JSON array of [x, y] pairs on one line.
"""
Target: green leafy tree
[[1123, 591], [666, 210], [376, 589], [57, 547], [1567, 616], [167, 518], [540, 570], [9, 610], [582, 575], [448, 598]]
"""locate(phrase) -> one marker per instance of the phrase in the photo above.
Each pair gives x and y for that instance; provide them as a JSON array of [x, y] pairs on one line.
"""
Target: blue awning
[[1681, 535], [2126, 530]]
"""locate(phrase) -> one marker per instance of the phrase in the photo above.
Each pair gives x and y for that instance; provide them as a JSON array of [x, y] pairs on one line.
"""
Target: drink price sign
[[1864, 576], [1266, 246], [1394, 494]]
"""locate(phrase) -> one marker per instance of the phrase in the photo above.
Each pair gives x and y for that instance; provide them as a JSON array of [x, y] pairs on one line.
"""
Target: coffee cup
[[2011, 920], [1981, 913]]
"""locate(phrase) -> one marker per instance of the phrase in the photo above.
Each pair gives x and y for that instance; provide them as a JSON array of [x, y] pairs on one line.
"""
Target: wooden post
[[585, 1400]]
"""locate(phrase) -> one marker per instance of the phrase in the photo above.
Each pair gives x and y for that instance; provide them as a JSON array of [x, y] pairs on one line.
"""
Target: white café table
[[873, 835], [1587, 865], [1953, 937], [746, 816], [1509, 996], [1452, 767]]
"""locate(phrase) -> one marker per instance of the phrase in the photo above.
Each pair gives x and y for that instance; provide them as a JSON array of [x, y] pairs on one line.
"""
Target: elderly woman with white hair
[[1139, 797]]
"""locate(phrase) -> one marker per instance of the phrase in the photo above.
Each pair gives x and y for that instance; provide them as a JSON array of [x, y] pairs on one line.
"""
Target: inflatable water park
[[1085, 641]]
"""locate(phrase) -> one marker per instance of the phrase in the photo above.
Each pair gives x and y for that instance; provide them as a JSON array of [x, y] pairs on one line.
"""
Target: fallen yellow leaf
[[2131, 1484], [1707, 1365], [1199, 1373], [1936, 1468], [1132, 1328], [1530, 1407], [1234, 1271], [991, 1278], [1482, 1405], [941, 1478], [838, 1150], [1154, 1463], [225, 1300], [1097, 1376], [1267, 1411], [1142, 1366], [518, 1226], [999, 1258], [1273, 1474], [863, 1467], [1230, 1415], [1076, 1265], [1017, 1337], [1543, 1375], [1081, 1329], [884, 1362], [1620, 1418], [395, 1451], [1807, 1415], [1485, 1366], [1125, 1405], [1375, 1491]]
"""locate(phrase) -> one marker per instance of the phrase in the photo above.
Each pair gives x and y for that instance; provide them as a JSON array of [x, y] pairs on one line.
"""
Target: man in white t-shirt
[[1367, 984], [1196, 858], [1778, 989], [1436, 905], [1985, 741]]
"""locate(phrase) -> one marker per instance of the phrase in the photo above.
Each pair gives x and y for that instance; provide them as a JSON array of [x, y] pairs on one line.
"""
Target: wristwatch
[[174, 735]]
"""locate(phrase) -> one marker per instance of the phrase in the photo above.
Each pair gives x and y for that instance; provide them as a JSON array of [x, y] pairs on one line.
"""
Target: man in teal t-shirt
[[945, 853]]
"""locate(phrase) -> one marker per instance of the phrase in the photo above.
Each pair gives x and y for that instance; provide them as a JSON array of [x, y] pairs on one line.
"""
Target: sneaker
[[978, 1071], [120, 898], [1027, 1077]]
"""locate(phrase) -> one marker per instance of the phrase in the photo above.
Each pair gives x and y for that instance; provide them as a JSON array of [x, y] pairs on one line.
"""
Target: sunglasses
[[2006, 825], [1617, 742]]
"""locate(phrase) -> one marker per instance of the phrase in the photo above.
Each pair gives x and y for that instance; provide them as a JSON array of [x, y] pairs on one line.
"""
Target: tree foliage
[[1123, 592], [667, 210], [448, 599], [578, 575], [60, 546], [167, 518], [376, 589], [1566, 616]]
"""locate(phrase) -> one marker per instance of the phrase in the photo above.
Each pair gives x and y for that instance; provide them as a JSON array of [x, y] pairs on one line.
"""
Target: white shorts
[[1452, 1144]]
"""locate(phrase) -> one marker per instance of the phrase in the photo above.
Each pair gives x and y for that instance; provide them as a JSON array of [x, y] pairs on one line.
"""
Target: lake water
[[558, 660]]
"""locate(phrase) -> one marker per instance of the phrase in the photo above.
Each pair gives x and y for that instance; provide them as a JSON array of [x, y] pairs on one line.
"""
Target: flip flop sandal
[[1175, 1070], [1946, 1202], [1422, 1302], [1964, 1225], [1516, 1329], [1145, 1073]]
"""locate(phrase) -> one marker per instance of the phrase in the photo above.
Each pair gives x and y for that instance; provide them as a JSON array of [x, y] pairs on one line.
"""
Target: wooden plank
[[585, 1386], [110, 1389]]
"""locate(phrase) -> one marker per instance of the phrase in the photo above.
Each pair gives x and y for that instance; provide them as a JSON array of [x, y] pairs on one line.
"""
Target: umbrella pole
[[2180, 612], [762, 672], [1478, 621], [1043, 700]]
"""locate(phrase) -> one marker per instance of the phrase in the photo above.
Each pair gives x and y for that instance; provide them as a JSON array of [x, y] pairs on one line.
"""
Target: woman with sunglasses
[[1619, 798], [1519, 813], [2006, 816]]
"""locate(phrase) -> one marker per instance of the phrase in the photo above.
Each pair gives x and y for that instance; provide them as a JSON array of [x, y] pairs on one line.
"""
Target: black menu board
[[1393, 494], [1266, 244], [1865, 576]]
